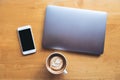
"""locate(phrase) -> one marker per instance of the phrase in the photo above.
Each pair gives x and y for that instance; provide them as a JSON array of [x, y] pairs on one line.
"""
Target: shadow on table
[[43, 74]]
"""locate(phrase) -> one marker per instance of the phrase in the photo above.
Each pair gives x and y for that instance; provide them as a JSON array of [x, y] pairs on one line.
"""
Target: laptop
[[76, 30]]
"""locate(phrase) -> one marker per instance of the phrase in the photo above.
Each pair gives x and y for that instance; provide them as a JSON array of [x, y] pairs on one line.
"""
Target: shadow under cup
[[48, 63]]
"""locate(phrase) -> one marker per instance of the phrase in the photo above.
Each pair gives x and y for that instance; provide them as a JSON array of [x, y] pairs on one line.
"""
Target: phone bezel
[[31, 50]]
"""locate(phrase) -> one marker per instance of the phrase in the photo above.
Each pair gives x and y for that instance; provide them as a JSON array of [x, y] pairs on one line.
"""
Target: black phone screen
[[26, 39]]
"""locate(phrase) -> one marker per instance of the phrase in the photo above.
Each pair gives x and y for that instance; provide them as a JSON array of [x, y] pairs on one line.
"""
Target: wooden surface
[[13, 65]]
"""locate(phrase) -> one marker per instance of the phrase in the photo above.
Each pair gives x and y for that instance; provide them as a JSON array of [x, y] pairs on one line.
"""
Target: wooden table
[[13, 65]]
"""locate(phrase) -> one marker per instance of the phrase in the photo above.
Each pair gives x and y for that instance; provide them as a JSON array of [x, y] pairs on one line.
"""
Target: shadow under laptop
[[84, 54], [73, 52]]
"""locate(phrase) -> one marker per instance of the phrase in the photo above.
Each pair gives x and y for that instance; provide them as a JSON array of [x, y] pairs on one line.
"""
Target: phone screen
[[26, 39]]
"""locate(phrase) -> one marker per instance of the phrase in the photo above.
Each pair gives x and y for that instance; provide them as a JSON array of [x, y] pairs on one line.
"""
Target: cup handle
[[65, 71]]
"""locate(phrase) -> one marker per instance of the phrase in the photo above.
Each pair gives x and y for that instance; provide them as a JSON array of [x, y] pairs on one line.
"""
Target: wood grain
[[13, 65]]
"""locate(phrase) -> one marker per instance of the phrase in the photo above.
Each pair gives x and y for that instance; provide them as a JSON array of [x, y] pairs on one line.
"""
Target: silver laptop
[[75, 30]]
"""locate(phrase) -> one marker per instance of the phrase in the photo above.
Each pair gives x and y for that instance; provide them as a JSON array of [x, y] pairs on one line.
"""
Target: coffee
[[56, 63]]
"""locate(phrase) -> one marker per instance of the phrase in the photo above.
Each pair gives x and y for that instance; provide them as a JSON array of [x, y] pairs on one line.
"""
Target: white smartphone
[[26, 40]]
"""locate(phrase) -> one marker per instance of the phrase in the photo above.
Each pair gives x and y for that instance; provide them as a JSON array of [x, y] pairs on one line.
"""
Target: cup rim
[[53, 70]]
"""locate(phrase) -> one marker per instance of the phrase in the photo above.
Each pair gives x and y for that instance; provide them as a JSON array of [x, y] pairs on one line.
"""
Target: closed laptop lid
[[73, 29]]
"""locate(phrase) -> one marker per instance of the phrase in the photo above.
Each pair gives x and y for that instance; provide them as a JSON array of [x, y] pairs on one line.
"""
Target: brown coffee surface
[[56, 63]]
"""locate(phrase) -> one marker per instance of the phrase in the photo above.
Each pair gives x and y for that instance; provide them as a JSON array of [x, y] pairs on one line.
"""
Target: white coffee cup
[[56, 63]]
